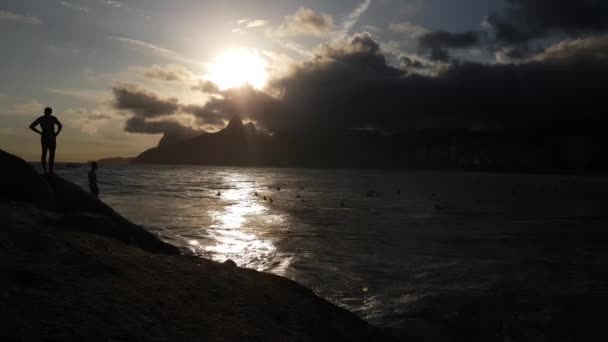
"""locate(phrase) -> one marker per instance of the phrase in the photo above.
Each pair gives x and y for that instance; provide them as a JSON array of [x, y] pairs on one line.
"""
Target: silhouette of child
[[93, 180], [48, 136]]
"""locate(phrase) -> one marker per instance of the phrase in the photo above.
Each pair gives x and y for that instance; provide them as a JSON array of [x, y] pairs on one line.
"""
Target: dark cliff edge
[[73, 269]]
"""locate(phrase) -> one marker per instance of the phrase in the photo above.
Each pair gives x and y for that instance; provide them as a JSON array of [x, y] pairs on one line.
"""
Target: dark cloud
[[205, 115], [408, 62], [245, 102], [173, 132], [527, 19], [438, 42], [350, 85], [143, 103], [206, 87], [141, 125], [169, 73], [359, 54]]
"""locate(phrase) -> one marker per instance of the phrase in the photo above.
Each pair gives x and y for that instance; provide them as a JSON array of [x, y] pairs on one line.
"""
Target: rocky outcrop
[[237, 144], [19, 181], [71, 269], [174, 137]]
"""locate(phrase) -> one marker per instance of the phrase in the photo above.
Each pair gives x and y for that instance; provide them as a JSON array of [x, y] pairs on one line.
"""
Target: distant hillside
[[237, 144], [173, 137], [577, 146], [115, 161]]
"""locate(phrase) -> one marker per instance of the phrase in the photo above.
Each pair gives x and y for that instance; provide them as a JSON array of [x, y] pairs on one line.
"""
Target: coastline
[[72, 268]]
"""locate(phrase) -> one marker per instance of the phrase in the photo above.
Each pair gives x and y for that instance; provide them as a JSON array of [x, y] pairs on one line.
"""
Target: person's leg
[[44, 149], [52, 146], [94, 189]]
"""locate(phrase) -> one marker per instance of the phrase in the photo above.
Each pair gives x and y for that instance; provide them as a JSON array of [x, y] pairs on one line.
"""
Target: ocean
[[418, 253]]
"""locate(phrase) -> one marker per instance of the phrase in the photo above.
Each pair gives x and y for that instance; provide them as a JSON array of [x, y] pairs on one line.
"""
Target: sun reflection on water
[[233, 229]]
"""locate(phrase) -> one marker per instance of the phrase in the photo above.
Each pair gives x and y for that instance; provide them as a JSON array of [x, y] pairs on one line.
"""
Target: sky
[[119, 74]]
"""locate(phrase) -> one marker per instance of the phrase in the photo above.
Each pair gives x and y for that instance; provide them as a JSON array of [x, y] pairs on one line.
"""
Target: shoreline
[[75, 269], [600, 173]]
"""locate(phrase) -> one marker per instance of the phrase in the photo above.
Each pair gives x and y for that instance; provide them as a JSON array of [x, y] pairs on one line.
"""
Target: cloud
[[89, 121], [305, 22], [295, 47], [438, 42], [346, 65], [137, 124], [205, 115], [528, 19], [246, 24], [74, 7], [349, 84], [10, 17], [143, 103], [206, 87], [510, 54], [239, 31], [82, 94], [154, 49], [95, 117], [256, 23], [411, 30], [591, 47], [245, 102], [171, 72], [116, 4], [152, 114], [409, 62], [371, 28], [354, 16], [31, 107]]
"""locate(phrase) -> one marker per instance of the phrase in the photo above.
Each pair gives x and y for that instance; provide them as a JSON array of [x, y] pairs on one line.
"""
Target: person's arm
[[59, 126], [33, 126]]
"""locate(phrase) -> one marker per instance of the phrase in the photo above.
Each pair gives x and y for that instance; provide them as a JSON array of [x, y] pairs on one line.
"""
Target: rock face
[[174, 137], [73, 269], [237, 144], [19, 181]]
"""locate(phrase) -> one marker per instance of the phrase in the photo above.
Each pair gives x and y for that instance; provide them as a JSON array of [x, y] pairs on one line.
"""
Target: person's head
[[94, 165], [48, 111]]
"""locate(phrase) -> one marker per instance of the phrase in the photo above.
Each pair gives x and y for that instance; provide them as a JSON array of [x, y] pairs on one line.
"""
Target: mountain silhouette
[[237, 144], [564, 146], [173, 137]]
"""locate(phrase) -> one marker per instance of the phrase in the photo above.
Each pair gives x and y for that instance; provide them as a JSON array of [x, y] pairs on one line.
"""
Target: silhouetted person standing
[[93, 180], [47, 136]]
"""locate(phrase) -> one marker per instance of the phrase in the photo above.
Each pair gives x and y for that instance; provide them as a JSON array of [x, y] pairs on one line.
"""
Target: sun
[[237, 67]]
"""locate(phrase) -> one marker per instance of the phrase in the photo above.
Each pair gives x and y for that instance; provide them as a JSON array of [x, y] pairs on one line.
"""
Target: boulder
[[19, 181]]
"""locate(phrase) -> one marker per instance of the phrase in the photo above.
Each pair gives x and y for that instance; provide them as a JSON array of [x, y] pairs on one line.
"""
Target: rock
[[81, 272], [19, 181], [230, 263], [82, 211], [117, 228]]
